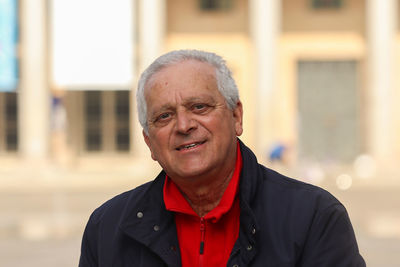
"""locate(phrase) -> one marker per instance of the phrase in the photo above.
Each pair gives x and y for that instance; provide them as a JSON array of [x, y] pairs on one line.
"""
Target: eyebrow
[[201, 98], [160, 109], [194, 99]]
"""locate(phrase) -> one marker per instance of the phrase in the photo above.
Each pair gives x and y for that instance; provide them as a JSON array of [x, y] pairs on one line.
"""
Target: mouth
[[189, 146]]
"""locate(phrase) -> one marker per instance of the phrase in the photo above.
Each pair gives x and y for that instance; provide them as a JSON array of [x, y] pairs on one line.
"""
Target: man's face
[[191, 131]]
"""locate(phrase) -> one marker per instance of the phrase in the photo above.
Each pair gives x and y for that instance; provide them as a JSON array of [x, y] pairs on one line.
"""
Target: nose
[[185, 124]]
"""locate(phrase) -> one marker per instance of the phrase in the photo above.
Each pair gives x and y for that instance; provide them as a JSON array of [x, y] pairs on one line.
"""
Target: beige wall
[[186, 16], [396, 97], [298, 15], [398, 15]]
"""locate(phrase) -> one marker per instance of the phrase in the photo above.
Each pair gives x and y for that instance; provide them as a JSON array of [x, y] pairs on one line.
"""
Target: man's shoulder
[[276, 178], [292, 190], [114, 207], [274, 187]]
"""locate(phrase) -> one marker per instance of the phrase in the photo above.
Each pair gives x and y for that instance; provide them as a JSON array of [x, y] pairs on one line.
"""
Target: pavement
[[43, 214]]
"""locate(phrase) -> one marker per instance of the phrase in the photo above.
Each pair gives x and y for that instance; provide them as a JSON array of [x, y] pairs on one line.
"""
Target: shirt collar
[[175, 201]]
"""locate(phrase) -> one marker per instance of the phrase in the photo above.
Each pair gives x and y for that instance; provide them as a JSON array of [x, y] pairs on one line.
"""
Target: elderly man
[[212, 204]]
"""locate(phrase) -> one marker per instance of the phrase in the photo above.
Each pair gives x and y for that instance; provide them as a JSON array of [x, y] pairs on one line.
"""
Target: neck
[[206, 196]]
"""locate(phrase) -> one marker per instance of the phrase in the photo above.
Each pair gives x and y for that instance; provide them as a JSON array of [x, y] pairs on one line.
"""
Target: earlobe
[[148, 143], [238, 116]]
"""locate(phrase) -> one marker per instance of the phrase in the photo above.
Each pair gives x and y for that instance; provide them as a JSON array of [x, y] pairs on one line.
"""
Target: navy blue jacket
[[283, 222]]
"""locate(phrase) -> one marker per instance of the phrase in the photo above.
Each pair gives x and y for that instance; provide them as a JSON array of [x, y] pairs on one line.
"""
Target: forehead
[[184, 73]]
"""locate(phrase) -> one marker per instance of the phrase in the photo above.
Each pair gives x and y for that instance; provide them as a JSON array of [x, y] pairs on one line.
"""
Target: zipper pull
[[202, 232]]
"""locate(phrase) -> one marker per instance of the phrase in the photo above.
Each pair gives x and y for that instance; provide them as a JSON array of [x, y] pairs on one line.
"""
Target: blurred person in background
[[212, 204]]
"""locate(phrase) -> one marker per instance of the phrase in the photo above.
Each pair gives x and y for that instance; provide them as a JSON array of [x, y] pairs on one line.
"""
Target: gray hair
[[226, 85]]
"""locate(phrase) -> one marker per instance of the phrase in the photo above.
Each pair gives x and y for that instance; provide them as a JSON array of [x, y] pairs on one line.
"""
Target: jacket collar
[[146, 220], [250, 182], [250, 176]]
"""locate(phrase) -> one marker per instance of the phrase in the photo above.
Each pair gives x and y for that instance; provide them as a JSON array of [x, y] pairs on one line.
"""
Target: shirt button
[[156, 228], [253, 231], [249, 247], [235, 265], [139, 215]]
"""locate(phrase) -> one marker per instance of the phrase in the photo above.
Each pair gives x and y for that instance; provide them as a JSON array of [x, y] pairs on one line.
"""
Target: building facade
[[319, 76]]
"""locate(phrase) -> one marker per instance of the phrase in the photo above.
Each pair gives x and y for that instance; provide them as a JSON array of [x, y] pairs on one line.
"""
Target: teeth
[[190, 146]]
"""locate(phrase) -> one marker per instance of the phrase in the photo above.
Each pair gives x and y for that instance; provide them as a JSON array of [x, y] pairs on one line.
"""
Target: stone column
[[151, 36], [34, 99], [381, 19], [265, 30], [152, 22]]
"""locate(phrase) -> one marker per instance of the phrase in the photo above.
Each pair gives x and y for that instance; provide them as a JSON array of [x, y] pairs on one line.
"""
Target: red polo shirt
[[207, 240]]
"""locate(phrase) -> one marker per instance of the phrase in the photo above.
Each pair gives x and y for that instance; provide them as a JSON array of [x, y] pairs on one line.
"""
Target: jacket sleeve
[[88, 256], [331, 241]]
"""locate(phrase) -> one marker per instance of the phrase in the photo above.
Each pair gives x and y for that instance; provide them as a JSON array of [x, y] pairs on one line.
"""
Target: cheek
[[159, 142], [152, 149]]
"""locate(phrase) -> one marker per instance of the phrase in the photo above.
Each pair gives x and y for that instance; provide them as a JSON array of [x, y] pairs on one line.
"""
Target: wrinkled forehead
[[180, 70]]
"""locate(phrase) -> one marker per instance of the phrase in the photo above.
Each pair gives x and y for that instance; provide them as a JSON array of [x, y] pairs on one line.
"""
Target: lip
[[189, 146]]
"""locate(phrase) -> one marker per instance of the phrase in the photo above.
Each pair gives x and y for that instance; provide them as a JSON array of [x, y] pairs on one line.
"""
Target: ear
[[238, 117], [148, 143]]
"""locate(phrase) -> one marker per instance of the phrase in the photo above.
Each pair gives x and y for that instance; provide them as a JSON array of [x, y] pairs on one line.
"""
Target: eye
[[199, 107], [163, 116]]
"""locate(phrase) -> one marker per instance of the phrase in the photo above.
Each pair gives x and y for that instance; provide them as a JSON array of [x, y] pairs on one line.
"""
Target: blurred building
[[321, 75]]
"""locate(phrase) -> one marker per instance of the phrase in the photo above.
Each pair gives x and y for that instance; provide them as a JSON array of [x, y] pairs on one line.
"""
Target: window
[[95, 52], [215, 5], [93, 120], [122, 111], [8, 45], [106, 121], [324, 4], [8, 122], [329, 111]]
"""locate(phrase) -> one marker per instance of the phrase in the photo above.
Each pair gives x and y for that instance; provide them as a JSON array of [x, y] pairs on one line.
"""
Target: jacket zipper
[[202, 235]]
